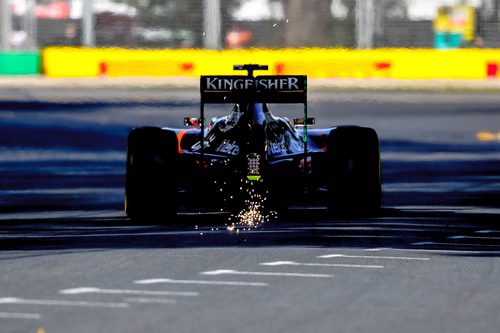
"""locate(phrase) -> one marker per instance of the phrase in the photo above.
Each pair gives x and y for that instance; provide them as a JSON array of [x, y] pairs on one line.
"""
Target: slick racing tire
[[150, 182], [354, 180]]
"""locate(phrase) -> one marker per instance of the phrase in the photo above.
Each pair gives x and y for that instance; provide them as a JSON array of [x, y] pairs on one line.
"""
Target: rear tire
[[151, 172], [354, 182]]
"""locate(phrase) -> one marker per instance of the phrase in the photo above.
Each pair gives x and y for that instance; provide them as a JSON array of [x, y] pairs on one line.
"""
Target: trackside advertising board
[[260, 89]]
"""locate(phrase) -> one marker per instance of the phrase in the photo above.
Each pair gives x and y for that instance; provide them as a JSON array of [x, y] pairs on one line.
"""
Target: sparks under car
[[250, 162]]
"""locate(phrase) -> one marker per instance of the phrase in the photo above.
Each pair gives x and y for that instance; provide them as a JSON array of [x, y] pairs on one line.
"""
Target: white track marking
[[374, 222], [441, 156], [454, 244], [203, 282], [230, 271], [365, 228], [39, 155], [415, 228], [473, 237], [18, 315], [436, 187], [360, 236], [55, 302], [423, 250], [90, 290], [293, 263], [421, 225], [150, 300], [487, 231], [104, 234], [61, 214], [458, 210], [326, 256], [78, 190]]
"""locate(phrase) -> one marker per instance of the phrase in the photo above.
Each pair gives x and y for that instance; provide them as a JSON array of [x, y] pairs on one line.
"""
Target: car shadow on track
[[448, 230]]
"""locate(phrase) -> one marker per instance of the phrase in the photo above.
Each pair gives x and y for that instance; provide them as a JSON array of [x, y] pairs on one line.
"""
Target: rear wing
[[260, 89]]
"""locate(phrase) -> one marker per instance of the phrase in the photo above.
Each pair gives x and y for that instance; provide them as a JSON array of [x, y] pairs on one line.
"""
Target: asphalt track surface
[[70, 260]]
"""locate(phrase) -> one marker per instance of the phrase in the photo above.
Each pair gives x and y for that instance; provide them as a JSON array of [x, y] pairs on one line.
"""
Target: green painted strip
[[19, 63], [253, 177]]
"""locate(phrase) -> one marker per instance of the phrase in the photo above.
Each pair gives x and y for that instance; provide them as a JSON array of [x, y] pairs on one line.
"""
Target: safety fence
[[19, 63], [58, 62]]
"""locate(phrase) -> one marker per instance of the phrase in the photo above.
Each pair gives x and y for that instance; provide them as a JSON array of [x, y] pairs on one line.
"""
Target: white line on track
[[73, 235], [234, 272], [91, 290], [424, 225], [61, 214], [374, 222], [203, 282], [19, 315], [55, 302], [86, 190], [363, 228], [293, 263], [150, 300], [458, 210], [473, 237], [360, 236], [454, 244], [486, 231], [440, 156], [378, 249], [39, 155], [326, 256]]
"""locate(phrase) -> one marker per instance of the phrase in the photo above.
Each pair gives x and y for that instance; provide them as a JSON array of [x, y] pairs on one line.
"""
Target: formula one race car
[[251, 163]]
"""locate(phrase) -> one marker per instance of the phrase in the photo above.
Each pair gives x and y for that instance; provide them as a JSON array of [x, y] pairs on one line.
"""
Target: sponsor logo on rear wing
[[260, 89]]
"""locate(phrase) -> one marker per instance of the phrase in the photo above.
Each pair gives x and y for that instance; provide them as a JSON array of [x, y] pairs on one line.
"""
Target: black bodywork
[[250, 155], [251, 145]]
